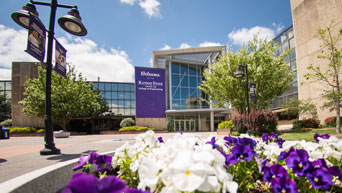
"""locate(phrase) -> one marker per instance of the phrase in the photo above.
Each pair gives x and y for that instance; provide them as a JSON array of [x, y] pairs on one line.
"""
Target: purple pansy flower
[[320, 178], [284, 185], [212, 142], [133, 190], [317, 135], [103, 162], [247, 141], [275, 171], [230, 140], [91, 158], [280, 142], [242, 152], [230, 160], [283, 155], [335, 171], [298, 161], [160, 139], [264, 138], [89, 183], [263, 164]]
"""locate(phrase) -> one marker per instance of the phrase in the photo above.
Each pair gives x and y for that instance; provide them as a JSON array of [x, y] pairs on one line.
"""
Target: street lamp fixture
[[70, 23], [239, 74]]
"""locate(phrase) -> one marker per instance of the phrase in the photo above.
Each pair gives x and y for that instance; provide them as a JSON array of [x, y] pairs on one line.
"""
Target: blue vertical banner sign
[[150, 92], [252, 90], [60, 57], [36, 38]]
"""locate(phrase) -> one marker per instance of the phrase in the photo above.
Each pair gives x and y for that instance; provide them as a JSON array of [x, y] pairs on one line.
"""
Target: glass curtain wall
[[6, 90], [185, 79], [286, 41], [120, 96]]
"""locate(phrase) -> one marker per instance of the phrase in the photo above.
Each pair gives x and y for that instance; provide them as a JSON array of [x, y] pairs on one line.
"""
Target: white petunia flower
[[186, 174]]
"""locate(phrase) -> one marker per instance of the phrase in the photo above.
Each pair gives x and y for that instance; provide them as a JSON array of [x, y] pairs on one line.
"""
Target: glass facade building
[[119, 96], [187, 109], [6, 90], [286, 41]]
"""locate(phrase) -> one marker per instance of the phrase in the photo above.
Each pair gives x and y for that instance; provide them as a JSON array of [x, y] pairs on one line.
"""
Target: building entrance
[[184, 125]]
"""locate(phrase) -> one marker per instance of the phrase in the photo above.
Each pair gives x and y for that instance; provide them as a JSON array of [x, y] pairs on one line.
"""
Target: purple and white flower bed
[[188, 163]]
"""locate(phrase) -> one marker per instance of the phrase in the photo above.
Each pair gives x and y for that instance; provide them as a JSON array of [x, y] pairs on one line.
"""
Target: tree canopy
[[269, 72], [329, 74], [71, 97]]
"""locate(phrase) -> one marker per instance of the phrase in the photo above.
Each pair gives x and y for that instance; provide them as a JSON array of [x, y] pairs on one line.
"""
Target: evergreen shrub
[[127, 122], [226, 125], [23, 130], [6, 123], [306, 123], [135, 128]]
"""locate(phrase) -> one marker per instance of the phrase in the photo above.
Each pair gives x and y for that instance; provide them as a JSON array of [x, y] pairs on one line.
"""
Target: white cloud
[[12, 45], [151, 7], [130, 2], [184, 45], [243, 35], [166, 47], [278, 27], [209, 44], [89, 59]]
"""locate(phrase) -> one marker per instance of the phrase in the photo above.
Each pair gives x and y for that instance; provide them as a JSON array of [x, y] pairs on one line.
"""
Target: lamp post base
[[51, 151]]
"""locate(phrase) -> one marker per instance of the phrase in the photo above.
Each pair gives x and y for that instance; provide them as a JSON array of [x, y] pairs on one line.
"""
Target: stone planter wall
[[49, 179], [223, 131]]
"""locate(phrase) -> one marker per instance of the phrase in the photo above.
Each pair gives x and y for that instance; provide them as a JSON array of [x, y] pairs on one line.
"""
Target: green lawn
[[306, 134]]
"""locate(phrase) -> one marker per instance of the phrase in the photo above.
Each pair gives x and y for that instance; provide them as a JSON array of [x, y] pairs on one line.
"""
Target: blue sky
[[124, 33]]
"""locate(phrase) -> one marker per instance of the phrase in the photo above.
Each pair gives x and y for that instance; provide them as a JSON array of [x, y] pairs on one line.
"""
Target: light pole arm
[[50, 4]]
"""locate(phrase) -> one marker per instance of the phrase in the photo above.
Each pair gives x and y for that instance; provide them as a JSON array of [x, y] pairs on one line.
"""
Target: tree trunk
[[338, 118]]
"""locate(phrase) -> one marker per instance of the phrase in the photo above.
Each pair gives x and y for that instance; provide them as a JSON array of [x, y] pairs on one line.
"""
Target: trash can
[[4, 134]]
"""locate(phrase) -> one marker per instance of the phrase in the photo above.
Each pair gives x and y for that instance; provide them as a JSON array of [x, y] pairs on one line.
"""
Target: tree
[[71, 96], [330, 76], [270, 73], [297, 107], [5, 107]]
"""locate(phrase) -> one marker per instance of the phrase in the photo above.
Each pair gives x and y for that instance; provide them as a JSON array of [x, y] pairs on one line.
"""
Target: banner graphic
[[36, 39], [150, 92], [60, 57]]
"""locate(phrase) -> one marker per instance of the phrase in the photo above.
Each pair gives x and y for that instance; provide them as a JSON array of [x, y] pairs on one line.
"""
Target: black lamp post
[[70, 23], [238, 74]]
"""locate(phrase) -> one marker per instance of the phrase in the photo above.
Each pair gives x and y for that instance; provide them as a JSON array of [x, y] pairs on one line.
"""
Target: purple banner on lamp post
[[60, 56], [36, 39], [150, 93]]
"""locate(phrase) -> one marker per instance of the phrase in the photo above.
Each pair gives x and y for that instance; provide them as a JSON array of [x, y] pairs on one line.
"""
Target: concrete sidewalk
[[20, 155]]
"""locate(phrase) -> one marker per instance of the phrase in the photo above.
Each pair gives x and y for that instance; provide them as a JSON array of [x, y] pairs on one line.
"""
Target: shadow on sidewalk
[[65, 157]]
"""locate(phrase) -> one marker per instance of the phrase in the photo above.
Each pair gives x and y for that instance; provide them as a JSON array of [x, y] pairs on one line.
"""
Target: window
[[8, 85], [127, 87], [108, 86], [121, 87], [101, 86], [175, 68]]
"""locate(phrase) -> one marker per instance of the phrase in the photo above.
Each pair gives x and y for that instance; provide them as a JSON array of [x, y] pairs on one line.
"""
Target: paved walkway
[[20, 155]]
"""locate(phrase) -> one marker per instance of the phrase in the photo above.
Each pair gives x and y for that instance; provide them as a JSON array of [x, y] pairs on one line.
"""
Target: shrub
[[226, 124], [306, 123], [23, 130], [135, 128], [6, 123], [41, 131], [127, 122], [256, 122], [235, 133], [330, 122]]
